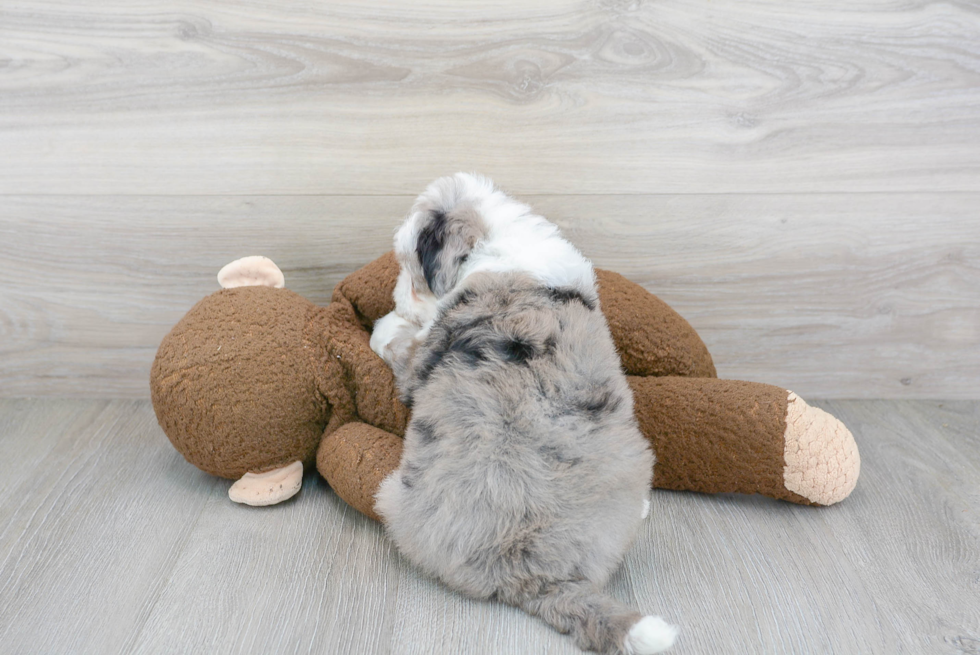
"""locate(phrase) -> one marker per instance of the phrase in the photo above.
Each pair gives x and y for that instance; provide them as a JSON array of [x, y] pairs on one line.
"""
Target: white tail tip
[[651, 634]]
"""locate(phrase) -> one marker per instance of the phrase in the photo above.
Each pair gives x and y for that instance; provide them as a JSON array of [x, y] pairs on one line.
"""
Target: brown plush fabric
[[358, 383], [355, 459], [652, 339], [370, 289], [230, 387], [714, 435]]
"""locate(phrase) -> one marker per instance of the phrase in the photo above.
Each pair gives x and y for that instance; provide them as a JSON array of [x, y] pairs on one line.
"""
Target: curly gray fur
[[524, 474]]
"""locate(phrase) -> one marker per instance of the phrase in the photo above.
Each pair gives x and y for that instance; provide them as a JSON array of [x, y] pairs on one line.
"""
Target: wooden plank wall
[[800, 180]]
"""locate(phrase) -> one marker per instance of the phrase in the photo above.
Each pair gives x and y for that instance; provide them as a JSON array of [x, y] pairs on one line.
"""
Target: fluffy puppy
[[524, 477]]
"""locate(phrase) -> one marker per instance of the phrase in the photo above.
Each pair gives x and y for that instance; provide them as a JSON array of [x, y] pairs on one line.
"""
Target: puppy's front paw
[[390, 333]]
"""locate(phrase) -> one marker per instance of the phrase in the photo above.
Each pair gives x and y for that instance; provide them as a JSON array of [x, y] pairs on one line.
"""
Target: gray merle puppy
[[524, 477]]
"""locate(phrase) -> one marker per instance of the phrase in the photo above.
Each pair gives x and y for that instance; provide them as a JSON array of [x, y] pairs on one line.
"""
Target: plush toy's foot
[[268, 488], [822, 461]]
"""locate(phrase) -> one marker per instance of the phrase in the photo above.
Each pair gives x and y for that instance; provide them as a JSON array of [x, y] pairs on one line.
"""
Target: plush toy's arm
[[651, 338], [354, 459], [717, 436], [370, 289]]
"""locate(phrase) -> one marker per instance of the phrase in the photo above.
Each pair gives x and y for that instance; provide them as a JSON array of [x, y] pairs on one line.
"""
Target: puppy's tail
[[597, 621]]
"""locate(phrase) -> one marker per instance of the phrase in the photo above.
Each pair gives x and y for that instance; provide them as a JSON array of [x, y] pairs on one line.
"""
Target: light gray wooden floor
[[110, 542]]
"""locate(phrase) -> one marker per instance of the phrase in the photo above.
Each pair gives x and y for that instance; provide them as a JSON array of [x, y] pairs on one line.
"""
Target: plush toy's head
[[232, 383]]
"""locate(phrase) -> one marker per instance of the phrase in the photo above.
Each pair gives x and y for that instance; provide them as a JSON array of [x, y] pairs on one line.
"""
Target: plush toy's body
[[256, 382]]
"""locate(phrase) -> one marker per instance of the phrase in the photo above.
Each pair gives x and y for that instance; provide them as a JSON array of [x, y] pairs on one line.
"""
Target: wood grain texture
[[379, 97], [82, 525], [112, 543], [831, 295]]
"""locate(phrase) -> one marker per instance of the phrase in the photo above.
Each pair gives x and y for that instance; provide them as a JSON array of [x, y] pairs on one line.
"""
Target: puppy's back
[[523, 457]]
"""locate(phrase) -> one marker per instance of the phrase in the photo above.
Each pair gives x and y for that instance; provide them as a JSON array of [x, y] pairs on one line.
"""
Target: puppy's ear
[[429, 246], [444, 243]]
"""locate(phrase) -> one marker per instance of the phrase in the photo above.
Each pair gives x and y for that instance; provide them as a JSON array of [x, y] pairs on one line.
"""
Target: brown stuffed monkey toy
[[256, 382]]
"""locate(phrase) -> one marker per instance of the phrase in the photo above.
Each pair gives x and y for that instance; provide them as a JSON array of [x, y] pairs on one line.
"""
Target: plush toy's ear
[[254, 271]]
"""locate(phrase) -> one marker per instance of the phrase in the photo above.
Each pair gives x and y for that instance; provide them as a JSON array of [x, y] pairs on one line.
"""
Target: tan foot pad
[[269, 488], [821, 458]]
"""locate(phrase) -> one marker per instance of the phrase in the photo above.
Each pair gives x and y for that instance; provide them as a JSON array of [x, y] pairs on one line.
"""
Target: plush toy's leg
[[718, 436], [268, 487], [354, 459]]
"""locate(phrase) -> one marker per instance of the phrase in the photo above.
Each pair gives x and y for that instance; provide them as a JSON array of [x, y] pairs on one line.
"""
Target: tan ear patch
[[821, 457], [254, 271]]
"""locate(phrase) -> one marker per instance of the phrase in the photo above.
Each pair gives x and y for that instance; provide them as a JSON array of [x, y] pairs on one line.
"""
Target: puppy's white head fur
[[462, 225]]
